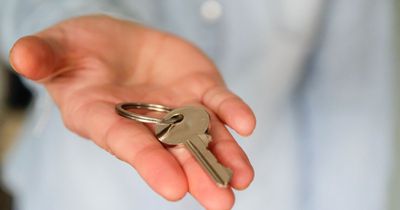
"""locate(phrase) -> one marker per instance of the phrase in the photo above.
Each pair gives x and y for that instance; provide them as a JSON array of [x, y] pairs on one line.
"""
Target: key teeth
[[205, 138], [222, 182], [225, 184]]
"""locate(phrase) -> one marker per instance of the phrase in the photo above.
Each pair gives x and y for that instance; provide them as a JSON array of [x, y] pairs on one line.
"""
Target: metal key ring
[[122, 109]]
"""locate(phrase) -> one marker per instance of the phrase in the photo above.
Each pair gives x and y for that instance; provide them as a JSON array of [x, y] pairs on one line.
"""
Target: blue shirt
[[318, 74]]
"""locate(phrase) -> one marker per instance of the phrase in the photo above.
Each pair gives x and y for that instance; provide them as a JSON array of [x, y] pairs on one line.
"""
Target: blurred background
[[15, 99]]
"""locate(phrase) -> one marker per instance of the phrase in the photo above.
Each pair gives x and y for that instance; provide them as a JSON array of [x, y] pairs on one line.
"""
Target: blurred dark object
[[17, 95], [5, 200]]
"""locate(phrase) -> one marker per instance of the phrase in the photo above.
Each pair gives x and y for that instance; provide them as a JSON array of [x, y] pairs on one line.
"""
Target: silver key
[[191, 131]]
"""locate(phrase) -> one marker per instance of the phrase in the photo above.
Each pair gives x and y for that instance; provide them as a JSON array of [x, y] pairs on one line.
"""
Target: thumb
[[34, 57]]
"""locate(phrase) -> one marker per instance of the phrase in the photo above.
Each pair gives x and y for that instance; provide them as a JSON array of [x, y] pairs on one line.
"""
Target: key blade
[[219, 173]]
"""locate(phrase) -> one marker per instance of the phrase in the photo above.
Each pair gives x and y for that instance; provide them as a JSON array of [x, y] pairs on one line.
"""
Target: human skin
[[88, 64]]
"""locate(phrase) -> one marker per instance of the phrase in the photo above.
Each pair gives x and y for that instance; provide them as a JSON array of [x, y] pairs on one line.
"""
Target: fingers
[[133, 143], [129, 142], [231, 109], [34, 57], [201, 186], [228, 153]]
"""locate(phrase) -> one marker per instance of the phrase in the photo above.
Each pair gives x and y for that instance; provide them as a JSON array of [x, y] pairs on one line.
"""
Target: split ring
[[122, 109]]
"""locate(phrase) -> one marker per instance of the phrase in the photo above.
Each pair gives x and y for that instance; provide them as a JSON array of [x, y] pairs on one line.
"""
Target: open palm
[[89, 64]]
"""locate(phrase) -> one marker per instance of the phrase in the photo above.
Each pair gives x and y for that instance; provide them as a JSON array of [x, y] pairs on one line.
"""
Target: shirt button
[[211, 10]]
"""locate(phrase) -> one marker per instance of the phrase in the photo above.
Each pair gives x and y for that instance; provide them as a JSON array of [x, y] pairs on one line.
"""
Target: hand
[[89, 64]]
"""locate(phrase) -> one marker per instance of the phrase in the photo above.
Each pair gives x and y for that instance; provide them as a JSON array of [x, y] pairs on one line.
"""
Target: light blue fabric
[[318, 75]]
